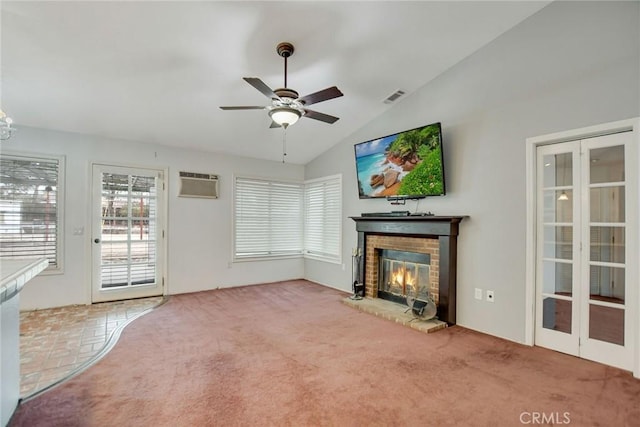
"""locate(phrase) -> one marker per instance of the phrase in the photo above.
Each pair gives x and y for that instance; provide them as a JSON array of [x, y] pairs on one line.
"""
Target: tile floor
[[56, 342]]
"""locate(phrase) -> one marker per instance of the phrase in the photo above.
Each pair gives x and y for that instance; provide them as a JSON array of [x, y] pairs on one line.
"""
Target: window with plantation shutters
[[268, 218], [323, 218], [30, 208]]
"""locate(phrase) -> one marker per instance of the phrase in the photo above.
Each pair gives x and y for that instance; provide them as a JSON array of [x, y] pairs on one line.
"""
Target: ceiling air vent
[[394, 96], [201, 185]]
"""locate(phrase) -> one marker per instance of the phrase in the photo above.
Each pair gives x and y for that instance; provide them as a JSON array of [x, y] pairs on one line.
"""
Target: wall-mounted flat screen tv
[[406, 164]]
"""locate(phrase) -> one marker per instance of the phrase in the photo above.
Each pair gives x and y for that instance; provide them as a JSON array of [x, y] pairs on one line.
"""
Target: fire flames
[[403, 278]]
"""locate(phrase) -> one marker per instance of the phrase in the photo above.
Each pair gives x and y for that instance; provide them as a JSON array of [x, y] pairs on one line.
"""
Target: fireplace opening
[[403, 274]]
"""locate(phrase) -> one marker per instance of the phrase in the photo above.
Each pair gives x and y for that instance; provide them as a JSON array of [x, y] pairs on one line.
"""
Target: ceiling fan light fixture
[[284, 116]]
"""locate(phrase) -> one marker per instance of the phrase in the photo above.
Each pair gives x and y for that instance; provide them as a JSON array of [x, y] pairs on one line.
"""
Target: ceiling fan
[[286, 105]]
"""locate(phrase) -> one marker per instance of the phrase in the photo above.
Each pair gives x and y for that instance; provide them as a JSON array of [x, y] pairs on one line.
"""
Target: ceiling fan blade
[[323, 95], [262, 87], [243, 107], [320, 116], [274, 125]]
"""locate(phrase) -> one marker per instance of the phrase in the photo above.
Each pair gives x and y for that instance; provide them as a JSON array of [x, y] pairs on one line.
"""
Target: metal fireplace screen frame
[[402, 274]]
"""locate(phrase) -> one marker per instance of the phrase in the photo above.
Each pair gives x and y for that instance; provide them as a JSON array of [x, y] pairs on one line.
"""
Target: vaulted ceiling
[[157, 72]]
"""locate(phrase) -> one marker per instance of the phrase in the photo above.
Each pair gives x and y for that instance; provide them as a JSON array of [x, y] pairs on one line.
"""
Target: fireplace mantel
[[442, 228]]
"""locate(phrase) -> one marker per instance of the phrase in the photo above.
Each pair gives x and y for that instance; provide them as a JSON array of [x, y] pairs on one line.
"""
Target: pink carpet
[[291, 354]]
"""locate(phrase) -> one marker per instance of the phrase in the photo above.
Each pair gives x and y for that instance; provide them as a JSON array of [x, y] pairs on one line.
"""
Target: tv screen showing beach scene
[[408, 163]]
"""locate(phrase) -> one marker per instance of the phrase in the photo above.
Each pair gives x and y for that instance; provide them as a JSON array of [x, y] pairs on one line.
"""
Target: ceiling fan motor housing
[[286, 93]]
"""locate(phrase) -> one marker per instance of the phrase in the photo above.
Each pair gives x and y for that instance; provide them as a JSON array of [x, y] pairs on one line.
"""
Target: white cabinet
[[15, 273]]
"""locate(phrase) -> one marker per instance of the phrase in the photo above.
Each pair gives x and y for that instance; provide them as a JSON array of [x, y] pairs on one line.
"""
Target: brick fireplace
[[432, 235]]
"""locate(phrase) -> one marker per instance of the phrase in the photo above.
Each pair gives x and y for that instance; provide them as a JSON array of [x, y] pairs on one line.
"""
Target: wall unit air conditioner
[[201, 185]]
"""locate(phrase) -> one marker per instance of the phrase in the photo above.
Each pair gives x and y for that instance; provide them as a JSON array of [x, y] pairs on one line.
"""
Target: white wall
[[199, 232], [571, 65]]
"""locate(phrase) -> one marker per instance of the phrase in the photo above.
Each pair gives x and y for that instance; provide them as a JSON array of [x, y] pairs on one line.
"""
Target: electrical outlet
[[479, 294], [490, 296], [344, 267]]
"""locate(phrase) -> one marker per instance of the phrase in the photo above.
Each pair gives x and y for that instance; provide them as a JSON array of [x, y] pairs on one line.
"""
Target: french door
[[584, 227], [127, 233]]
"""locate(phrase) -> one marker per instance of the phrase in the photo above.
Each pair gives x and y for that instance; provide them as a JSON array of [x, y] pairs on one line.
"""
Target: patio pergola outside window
[[30, 208]]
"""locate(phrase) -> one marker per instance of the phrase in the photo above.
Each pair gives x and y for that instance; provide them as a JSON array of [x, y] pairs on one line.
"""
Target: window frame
[[60, 202]]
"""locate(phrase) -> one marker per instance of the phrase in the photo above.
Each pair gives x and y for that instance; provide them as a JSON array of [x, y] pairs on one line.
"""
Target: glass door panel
[[607, 204], [128, 243], [607, 284], [557, 314], [557, 278], [607, 244], [607, 324], [606, 255], [556, 249], [125, 233], [606, 164], [558, 212], [558, 241], [557, 283]]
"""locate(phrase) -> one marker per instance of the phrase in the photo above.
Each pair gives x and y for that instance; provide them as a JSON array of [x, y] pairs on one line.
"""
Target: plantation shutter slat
[[29, 196], [268, 218], [323, 217]]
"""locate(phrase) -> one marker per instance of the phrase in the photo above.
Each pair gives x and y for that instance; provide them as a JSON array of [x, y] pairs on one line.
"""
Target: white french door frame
[[630, 125], [162, 222]]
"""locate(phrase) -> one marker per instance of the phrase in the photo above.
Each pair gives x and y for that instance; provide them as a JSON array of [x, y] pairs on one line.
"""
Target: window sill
[[266, 258], [323, 259]]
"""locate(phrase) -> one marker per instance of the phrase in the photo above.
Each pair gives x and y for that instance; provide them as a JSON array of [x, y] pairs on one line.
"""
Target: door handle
[[96, 240]]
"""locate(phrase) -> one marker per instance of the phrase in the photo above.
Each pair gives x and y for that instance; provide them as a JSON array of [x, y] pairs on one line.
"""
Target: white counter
[[14, 275]]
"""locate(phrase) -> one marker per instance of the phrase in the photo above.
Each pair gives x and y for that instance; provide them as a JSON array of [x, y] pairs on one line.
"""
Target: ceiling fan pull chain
[[284, 144]]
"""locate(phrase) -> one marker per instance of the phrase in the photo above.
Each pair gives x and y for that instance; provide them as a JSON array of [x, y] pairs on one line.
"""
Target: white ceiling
[[157, 72]]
